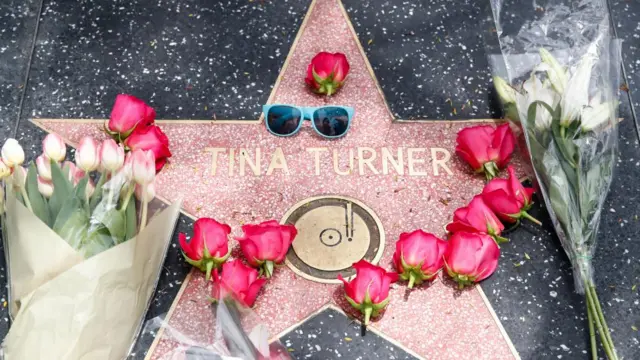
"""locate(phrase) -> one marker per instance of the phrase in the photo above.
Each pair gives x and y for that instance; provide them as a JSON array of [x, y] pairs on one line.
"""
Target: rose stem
[[527, 216]]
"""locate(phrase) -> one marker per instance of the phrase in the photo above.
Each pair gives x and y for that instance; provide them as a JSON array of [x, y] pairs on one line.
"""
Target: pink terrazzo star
[[435, 321]]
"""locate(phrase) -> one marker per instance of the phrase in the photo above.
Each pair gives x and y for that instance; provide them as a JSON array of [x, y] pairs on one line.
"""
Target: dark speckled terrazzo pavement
[[219, 59]]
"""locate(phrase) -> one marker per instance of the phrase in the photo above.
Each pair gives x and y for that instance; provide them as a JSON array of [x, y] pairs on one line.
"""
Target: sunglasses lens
[[331, 121], [283, 120]]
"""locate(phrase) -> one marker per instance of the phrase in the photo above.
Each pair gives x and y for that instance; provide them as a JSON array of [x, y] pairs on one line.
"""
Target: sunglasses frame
[[307, 115]]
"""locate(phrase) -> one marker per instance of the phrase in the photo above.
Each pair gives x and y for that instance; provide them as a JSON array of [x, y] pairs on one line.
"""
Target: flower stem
[[125, 203], [143, 216], [23, 191], [368, 310], [412, 280], [600, 314], [594, 311], [527, 216], [209, 268], [592, 335]]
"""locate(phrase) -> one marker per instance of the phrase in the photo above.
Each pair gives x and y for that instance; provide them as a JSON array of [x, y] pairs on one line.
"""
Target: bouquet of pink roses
[[78, 243]]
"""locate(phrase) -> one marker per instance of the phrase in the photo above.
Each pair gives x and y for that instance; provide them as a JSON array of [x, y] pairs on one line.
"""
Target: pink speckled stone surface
[[436, 321]]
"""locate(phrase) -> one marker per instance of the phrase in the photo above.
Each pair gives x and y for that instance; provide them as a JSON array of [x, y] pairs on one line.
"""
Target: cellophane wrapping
[[237, 333], [561, 66]]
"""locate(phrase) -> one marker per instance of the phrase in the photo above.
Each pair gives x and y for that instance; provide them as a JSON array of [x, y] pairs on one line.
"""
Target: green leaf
[[114, 221], [62, 189], [38, 202], [97, 193], [131, 220], [74, 229], [97, 241], [69, 207]]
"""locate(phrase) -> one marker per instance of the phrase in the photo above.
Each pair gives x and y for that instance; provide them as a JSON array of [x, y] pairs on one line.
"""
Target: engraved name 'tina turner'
[[412, 161]]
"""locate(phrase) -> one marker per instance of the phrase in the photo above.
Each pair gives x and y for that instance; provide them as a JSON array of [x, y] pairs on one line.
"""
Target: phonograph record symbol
[[333, 233]]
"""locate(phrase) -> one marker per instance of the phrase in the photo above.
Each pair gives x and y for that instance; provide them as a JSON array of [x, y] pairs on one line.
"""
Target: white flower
[[12, 153], [555, 72], [576, 95], [505, 91], [597, 113], [535, 90]]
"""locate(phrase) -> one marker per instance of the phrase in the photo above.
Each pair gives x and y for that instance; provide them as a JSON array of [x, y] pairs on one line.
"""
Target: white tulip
[[54, 147], [12, 153]]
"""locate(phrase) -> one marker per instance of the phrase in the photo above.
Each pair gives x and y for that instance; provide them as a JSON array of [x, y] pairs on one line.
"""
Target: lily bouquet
[[77, 244], [567, 108]]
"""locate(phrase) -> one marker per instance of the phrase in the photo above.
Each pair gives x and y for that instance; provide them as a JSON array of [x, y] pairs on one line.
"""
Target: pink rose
[[266, 244]]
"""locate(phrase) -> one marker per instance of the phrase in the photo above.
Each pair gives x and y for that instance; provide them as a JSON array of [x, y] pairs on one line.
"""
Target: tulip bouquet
[[77, 241], [567, 108]]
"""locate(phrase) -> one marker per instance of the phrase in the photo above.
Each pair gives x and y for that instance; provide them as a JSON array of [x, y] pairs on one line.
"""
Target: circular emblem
[[333, 233]]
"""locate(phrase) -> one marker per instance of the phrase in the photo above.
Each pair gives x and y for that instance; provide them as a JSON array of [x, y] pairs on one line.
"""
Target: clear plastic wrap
[[561, 66], [238, 334]]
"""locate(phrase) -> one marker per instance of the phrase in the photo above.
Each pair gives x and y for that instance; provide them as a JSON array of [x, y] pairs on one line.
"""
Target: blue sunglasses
[[328, 121]]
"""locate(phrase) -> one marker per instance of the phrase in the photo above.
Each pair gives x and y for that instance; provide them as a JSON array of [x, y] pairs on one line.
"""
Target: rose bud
[[327, 72], [508, 199], [418, 256], [145, 192], [209, 246], [151, 138], [54, 147], [88, 154], [43, 164], [486, 149], [45, 187], [129, 113], [368, 291], [238, 281], [12, 153], [111, 155], [266, 244], [470, 258], [477, 217], [143, 167], [4, 170]]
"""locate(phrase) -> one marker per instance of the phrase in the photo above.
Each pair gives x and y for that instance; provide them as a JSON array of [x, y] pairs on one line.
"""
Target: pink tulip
[[43, 164], [88, 154], [368, 291], [45, 187], [129, 113], [151, 138], [74, 173], [54, 147], [266, 244], [143, 167], [111, 155], [471, 258], [238, 281], [209, 246], [418, 256], [145, 192]]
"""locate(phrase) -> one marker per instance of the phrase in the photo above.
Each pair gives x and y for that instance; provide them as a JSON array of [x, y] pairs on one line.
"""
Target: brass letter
[[245, 159], [414, 161], [387, 158], [368, 161], [336, 166], [214, 158], [440, 162], [316, 152], [278, 161]]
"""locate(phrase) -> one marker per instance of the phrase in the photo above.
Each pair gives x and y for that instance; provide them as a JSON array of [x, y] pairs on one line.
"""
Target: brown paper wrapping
[[76, 309]]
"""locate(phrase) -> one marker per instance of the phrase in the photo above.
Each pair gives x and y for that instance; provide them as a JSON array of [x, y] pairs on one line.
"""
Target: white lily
[[505, 91], [535, 90], [555, 71], [576, 95], [597, 113]]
